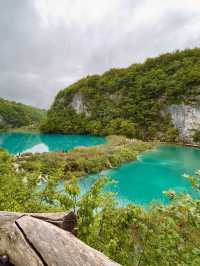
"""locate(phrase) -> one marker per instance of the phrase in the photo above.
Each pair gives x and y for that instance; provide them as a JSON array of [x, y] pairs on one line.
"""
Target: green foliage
[[69, 197], [131, 235], [86, 206], [15, 115], [195, 180], [171, 134], [18, 188], [121, 126], [196, 136], [129, 101], [89, 205]]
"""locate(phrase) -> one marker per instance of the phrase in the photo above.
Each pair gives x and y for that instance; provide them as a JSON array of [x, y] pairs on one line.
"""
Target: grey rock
[[79, 106], [30, 241], [186, 119]]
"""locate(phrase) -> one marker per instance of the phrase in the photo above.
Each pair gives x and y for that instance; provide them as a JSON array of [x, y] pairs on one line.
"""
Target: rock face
[[78, 105], [33, 240], [2, 122], [186, 119]]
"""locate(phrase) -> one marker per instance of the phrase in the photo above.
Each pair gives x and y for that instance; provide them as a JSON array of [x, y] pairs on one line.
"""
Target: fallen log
[[40, 240]]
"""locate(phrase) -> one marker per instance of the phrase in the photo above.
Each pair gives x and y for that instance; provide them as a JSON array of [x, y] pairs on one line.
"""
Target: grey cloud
[[38, 59]]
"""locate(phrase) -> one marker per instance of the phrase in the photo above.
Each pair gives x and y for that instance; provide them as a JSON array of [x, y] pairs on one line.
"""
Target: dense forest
[[16, 115], [129, 101]]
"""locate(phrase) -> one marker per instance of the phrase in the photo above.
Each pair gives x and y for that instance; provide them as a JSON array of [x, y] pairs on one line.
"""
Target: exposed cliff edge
[[186, 119], [132, 101], [79, 105]]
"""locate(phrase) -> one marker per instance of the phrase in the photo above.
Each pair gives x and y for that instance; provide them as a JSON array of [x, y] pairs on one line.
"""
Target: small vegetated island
[[158, 100]]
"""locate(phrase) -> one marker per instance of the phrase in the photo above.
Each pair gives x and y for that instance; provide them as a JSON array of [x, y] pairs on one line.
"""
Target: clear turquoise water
[[26, 142], [140, 182], [144, 181]]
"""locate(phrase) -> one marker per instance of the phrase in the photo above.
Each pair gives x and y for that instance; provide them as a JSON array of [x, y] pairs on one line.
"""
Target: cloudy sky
[[45, 45]]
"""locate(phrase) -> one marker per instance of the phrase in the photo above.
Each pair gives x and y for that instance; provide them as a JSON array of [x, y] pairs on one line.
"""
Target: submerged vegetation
[[16, 115], [129, 101], [131, 235]]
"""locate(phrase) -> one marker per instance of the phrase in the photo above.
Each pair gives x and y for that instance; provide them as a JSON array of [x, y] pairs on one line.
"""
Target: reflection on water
[[38, 148], [28, 142]]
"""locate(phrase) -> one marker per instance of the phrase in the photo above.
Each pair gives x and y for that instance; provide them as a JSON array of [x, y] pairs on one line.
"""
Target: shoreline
[[182, 144], [38, 131]]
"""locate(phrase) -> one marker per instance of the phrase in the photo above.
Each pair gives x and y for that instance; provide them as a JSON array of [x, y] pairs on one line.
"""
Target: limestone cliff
[[186, 119], [79, 105]]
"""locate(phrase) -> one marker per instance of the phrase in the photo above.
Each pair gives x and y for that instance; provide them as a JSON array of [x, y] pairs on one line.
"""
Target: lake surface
[[159, 170], [140, 182], [17, 143]]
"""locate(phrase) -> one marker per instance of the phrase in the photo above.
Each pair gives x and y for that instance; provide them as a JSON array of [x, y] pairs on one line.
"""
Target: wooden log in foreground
[[38, 239]]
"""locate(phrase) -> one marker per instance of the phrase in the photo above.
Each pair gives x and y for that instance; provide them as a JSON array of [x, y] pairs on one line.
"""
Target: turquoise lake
[[159, 170], [140, 182], [17, 143]]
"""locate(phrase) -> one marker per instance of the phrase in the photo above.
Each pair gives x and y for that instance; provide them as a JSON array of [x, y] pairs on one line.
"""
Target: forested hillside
[[15, 115], [129, 101]]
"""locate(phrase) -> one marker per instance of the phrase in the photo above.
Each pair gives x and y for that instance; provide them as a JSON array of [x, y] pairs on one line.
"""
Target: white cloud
[[51, 43], [89, 11]]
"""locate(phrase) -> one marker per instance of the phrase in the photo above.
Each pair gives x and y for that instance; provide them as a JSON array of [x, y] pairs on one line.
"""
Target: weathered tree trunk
[[38, 239]]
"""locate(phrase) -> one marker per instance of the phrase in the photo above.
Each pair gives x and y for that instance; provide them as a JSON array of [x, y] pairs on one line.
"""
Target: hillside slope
[[15, 115], [137, 101]]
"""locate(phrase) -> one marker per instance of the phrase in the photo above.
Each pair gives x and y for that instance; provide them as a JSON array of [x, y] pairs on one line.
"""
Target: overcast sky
[[45, 45]]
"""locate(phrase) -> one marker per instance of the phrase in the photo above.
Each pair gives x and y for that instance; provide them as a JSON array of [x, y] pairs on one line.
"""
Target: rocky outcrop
[[186, 119], [2, 121], [79, 106], [38, 240]]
